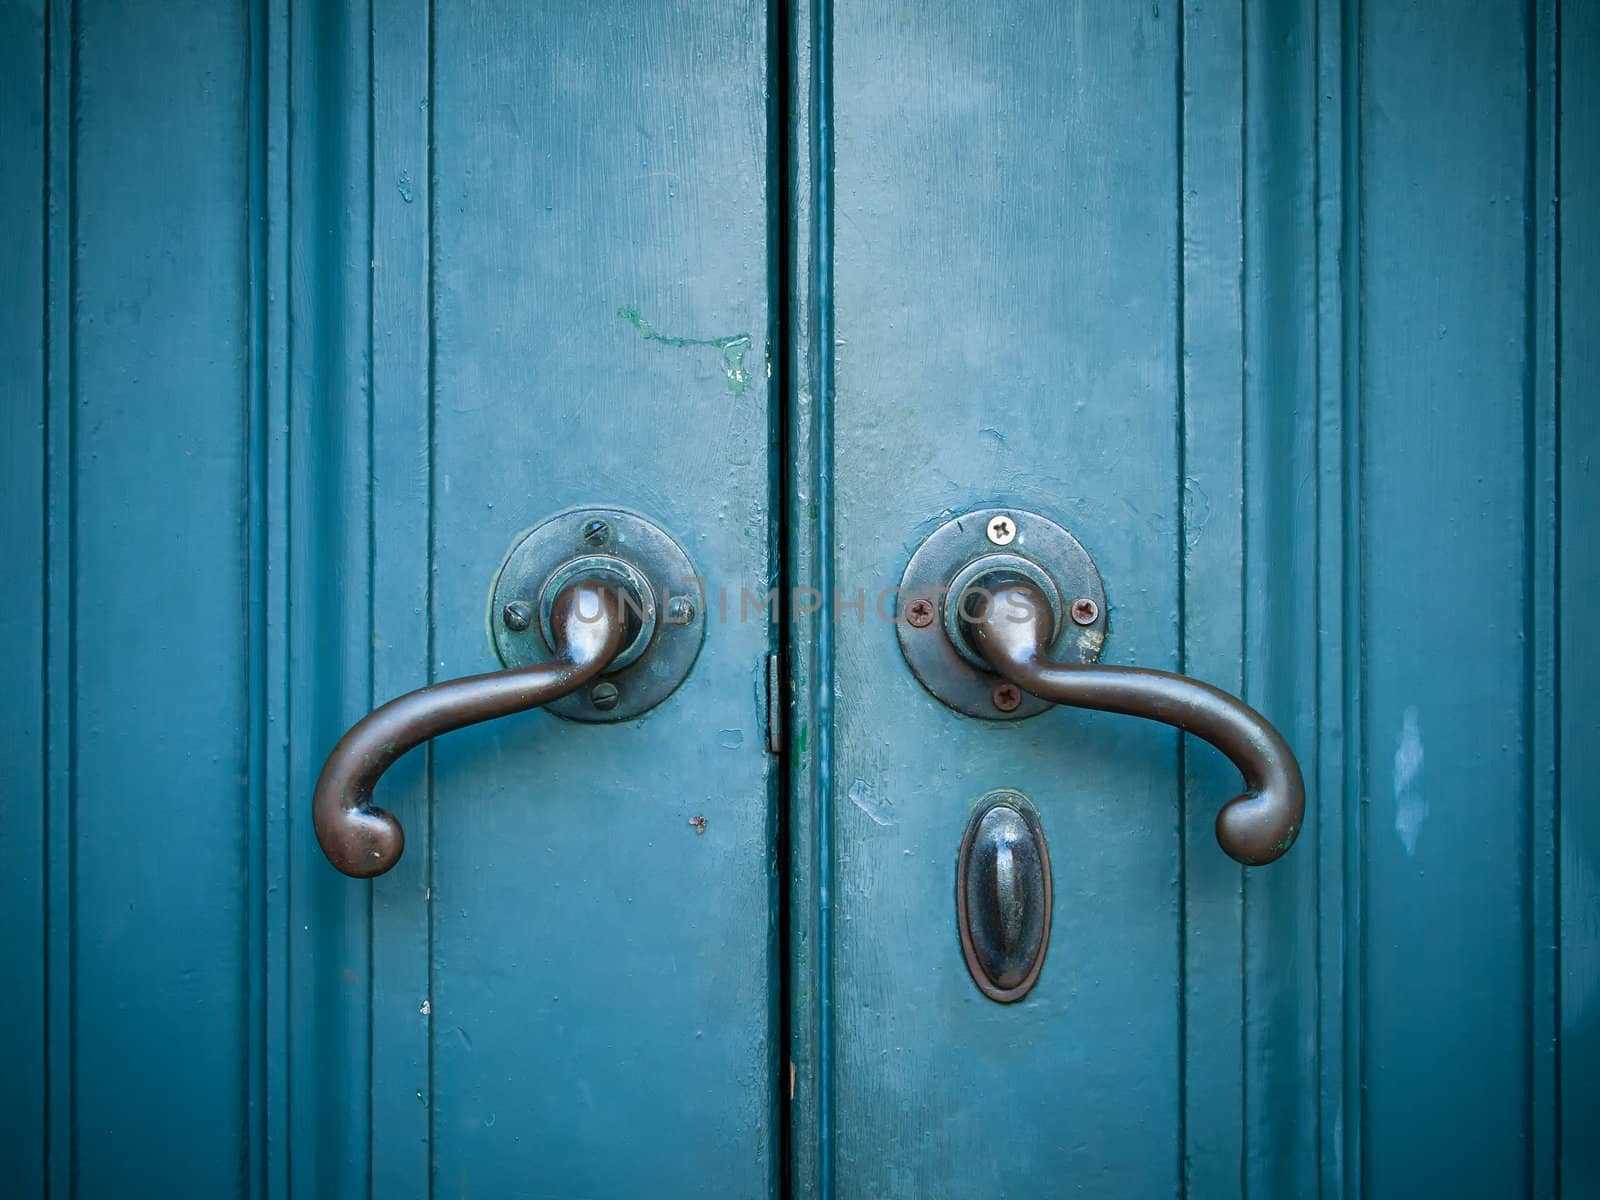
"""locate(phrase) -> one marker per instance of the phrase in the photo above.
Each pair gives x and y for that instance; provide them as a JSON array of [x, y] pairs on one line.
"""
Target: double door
[[1242, 336]]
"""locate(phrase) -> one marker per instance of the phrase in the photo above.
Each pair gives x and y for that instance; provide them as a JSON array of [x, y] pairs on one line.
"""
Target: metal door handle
[[363, 840], [1011, 625]]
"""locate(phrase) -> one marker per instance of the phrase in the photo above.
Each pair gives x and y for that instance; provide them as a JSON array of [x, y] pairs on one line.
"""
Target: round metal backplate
[[668, 610], [948, 668]]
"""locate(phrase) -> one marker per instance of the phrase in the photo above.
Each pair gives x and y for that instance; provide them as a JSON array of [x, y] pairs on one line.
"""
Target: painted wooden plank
[[270, 496], [158, 710], [1336, 774], [402, 492], [1211, 479], [1279, 654], [1006, 296], [24, 815], [599, 966], [1578, 765], [59, 498], [328, 586], [1542, 635], [1445, 422]]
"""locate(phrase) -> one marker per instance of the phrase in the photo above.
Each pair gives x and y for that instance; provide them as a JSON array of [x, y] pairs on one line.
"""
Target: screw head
[[604, 696], [680, 610], [517, 615], [919, 613], [1002, 530], [1006, 696], [596, 533], [1085, 611]]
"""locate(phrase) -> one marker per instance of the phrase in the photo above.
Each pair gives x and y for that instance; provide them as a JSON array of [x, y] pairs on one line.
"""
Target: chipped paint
[[1410, 805], [734, 347]]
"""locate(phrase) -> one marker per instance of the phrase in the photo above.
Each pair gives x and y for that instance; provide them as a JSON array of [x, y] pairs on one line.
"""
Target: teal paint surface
[[734, 348], [1284, 309], [315, 318]]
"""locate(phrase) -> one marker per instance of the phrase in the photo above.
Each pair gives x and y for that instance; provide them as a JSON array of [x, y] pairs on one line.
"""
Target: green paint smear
[[733, 348]]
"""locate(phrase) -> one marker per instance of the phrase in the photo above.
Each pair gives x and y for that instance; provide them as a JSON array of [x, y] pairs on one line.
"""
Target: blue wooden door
[[313, 308], [1285, 311], [319, 306]]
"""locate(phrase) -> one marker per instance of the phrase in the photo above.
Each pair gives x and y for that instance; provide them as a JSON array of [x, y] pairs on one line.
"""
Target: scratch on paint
[[1410, 806], [733, 347]]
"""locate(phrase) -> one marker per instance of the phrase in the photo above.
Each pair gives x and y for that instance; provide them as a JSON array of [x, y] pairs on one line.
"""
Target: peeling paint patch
[[1196, 511], [734, 347], [1410, 805], [878, 809]]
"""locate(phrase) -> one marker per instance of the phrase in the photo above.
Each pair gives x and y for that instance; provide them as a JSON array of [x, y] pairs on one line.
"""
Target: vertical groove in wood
[[60, 608], [328, 637], [1544, 615], [257, 569], [1577, 651], [271, 523], [1352, 592], [430, 613], [277, 682], [822, 346], [431, 607], [1279, 579], [799, 1078], [1332, 776]]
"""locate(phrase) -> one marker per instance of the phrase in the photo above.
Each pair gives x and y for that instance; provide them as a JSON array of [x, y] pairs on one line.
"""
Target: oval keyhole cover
[[1003, 896]]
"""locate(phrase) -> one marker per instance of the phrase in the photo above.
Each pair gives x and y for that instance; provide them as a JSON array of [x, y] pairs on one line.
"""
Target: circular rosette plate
[[656, 586], [960, 555]]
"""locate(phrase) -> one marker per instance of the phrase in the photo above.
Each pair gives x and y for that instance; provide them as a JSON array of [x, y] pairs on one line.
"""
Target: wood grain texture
[[1006, 271], [24, 695], [601, 1003], [1371, 501], [1577, 765], [1448, 399]]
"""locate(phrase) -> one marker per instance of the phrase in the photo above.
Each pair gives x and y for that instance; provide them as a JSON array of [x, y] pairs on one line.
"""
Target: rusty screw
[[680, 610], [1002, 530], [596, 533], [604, 696], [517, 615], [1085, 611], [1006, 696], [919, 613]]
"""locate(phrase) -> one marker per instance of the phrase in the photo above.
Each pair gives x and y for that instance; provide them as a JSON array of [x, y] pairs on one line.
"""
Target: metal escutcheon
[[964, 553], [656, 585]]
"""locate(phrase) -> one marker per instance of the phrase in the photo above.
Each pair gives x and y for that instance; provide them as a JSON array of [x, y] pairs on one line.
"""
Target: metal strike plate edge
[[657, 584]]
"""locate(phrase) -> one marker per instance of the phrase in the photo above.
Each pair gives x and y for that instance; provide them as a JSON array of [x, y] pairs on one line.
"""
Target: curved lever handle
[[1012, 630], [363, 840]]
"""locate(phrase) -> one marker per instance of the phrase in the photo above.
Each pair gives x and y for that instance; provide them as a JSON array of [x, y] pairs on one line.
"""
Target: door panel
[[1005, 299], [1262, 303], [599, 966], [327, 303]]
